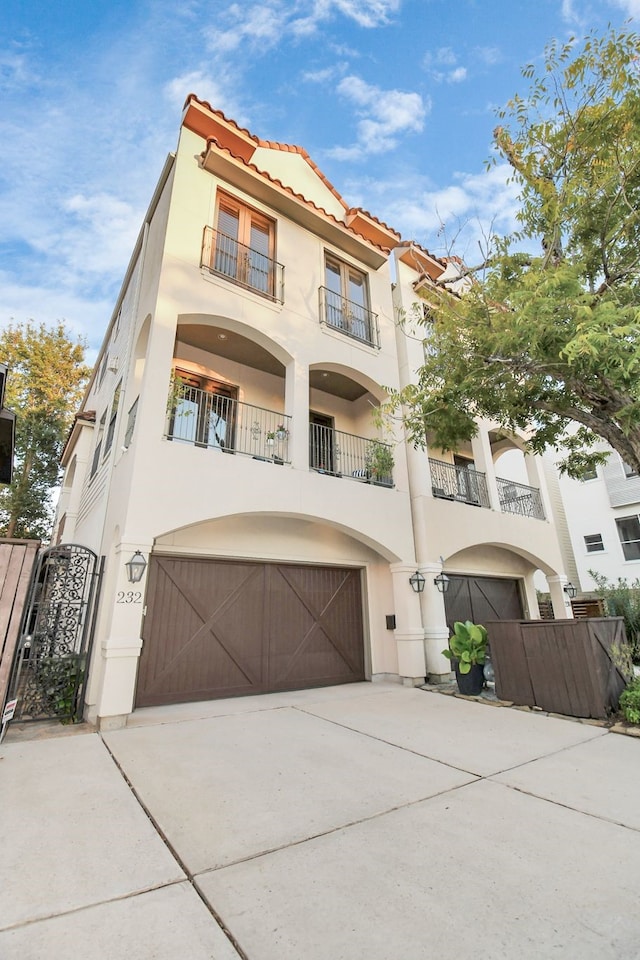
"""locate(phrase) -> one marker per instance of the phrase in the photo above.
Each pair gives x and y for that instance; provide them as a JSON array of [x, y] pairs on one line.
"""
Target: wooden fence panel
[[17, 558], [563, 666]]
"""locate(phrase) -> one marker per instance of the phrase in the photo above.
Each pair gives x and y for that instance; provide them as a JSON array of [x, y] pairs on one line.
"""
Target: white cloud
[[442, 65], [206, 87], [384, 115], [262, 26], [452, 219], [630, 7], [457, 75]]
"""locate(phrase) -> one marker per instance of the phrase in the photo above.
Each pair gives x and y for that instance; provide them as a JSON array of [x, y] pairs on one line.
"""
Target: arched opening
[[228, 389], [343, 437]]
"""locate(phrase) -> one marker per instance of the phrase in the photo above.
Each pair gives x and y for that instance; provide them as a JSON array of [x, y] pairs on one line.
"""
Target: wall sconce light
[[570, 590], [417, 581], [442, 582], [136, 567]]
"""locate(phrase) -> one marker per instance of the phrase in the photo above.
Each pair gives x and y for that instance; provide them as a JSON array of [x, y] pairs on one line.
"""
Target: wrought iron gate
[[48, 675]]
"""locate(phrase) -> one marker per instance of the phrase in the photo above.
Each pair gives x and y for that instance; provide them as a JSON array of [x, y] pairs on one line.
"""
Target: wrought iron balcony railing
[[349, 317], [345, 455], [249, 268], [207, 419], [519, 498], [452, 482]]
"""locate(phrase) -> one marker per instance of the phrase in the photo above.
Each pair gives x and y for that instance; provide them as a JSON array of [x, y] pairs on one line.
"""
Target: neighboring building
[[227, 436], [602, 517]]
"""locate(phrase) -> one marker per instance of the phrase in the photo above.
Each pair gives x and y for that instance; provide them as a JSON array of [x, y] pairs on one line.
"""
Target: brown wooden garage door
[[216, 628], [482, 598]]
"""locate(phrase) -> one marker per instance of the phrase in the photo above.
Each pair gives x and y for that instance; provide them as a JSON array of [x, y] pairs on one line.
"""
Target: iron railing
[[346, 455], [349, 317], [519, 498], [452, 482], [211, 420], [249, 268]]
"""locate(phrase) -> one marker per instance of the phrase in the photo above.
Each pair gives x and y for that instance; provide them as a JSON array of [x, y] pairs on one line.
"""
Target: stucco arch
[[374, 388], [536, 562], [250, 333], [272, 535]]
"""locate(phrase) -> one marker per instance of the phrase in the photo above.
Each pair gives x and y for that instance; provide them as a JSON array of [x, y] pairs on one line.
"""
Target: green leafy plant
[[468, 645], [630, 701], [622, 599], [59, 679], [380, 462]]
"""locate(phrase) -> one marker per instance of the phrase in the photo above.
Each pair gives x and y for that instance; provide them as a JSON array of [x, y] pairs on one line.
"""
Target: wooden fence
[[17, 558], [572, 667]]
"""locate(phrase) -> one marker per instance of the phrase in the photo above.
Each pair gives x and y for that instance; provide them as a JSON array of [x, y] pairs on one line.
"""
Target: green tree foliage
[[542, 343], [46, 377]]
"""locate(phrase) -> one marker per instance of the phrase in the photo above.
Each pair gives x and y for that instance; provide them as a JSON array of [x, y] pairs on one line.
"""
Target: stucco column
[[296, 405], [409, 633], [536, 479], [120, 649], [481, 449], [436, 632], [559, 600]]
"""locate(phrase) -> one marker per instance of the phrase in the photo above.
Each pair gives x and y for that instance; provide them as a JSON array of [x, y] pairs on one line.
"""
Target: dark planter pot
[[470, 684]]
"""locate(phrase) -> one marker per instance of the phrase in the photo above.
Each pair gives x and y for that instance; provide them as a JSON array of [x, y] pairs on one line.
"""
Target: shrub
[[630, 702], [622, 599]]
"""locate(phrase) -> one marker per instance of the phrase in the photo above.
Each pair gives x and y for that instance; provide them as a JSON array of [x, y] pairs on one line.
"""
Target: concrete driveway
[[363, 822]]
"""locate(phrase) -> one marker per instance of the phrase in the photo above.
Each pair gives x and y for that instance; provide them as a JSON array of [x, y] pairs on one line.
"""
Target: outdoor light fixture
[[136, 567], [417, 581], [570, 590], [442, 582]]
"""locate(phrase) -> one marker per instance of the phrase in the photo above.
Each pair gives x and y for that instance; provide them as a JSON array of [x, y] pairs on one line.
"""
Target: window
[[103, 368], [629, 471], [629, 533], [131, 422], [591, 474], [98, 446], [593, 542], [244, 246], [346, 300], [115, 403], [204, 412]]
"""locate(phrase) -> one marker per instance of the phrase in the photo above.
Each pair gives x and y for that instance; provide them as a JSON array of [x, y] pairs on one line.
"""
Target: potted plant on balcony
[[466, 651], [379, 464]]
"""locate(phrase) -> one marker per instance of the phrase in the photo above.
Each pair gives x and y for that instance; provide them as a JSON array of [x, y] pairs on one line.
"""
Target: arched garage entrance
[[222, 628], [479, 598]]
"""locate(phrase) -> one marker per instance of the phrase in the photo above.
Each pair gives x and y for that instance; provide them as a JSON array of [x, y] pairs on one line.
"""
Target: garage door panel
[[221, 628], [482, 598]]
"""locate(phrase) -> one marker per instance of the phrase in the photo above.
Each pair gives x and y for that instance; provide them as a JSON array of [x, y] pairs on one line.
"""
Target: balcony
[[350, 318], [251, 269], [205, 419], [351, 457], [520, 499], [451, 482]]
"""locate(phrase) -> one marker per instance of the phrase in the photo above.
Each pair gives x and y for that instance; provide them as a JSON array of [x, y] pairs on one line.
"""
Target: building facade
[[227, 437]]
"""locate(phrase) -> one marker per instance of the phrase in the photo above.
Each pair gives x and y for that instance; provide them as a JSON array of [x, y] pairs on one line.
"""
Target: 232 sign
[[129, 596]]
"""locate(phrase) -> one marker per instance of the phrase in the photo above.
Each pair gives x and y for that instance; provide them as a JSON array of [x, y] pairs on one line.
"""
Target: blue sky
[[393, 99]]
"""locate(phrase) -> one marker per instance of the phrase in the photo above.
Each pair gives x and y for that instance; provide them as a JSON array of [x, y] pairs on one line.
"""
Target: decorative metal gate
[[50, 662]]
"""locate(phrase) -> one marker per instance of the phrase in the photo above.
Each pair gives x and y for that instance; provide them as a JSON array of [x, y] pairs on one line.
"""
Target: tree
[[548, 344], [44, 386]]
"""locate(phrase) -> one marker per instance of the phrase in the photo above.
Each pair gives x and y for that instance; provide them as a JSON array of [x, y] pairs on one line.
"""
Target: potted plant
[[379, 463], [467, 650], [280, 434]]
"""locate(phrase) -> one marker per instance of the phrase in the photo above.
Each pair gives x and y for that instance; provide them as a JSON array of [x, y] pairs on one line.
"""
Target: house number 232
[[129, 596]]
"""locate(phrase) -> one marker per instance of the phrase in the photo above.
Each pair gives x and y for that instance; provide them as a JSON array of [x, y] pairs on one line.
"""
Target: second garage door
[[482, 598], [217, 628]]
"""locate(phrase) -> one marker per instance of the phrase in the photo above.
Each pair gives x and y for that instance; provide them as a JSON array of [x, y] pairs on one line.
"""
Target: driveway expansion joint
[[188, 875]]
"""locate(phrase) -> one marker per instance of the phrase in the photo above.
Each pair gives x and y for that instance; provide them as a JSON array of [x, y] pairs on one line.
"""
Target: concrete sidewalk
[[364, 822]]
